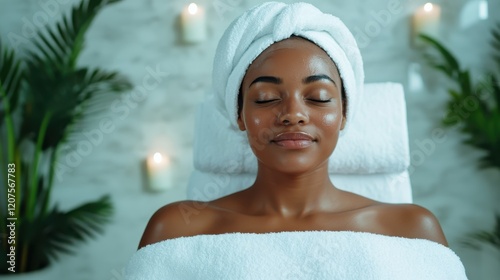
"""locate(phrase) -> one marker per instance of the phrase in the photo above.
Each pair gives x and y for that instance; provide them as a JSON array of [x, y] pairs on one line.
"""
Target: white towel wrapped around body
[[376, 143], [315, 255]]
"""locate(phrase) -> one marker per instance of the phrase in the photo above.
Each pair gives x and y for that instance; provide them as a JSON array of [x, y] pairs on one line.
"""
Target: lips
[[293, 140]]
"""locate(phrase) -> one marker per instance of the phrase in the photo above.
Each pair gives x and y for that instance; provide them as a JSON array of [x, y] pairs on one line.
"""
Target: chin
[[296, 165]]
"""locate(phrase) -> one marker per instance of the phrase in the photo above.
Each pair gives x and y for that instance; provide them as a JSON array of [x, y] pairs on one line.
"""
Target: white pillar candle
[[160, 172], [483, 9], [193, 24], [426, 20]]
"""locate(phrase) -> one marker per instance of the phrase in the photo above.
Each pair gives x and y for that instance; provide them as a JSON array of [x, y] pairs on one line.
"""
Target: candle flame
[[157, 158], [428, 7], [193, 8], [483, 9]]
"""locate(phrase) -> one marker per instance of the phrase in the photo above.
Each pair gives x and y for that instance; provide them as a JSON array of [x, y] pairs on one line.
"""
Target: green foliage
[[52, 68], [492, 238], [59, 231], [43, 97], [11, 75], [475, 107]]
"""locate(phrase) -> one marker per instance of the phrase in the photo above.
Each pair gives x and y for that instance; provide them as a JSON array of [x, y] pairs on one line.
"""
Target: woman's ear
[[342, 125], [241, 124]]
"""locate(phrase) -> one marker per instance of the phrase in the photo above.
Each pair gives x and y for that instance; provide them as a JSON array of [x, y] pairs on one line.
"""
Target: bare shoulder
[[182, 218], [410, 221]]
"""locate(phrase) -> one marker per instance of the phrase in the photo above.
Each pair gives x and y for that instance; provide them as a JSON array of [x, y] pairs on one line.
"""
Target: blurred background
[[162, 52]]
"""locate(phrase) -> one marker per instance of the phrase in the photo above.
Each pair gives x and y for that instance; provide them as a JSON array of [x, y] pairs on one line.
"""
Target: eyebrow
[[315, 78], [267, 79], [277, 81]]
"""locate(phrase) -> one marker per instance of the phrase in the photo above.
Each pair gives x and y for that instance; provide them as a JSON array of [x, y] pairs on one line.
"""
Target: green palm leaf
[[54, 94], [11, 77], [481, 125], [450, 65], [76, 89], [58, 232], [56, 82], [496, 45], [65, 229], [496, 52], [61, 45], [475, 239]]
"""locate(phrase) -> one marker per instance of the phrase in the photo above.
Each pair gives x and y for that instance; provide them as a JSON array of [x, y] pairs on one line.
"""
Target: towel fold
[[376, 143], [258, 28], [301, 255], [389, 188]]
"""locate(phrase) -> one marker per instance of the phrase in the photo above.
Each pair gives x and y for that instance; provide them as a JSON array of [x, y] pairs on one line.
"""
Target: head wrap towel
[[257, 29]]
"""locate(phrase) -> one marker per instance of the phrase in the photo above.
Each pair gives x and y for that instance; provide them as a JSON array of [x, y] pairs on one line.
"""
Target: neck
[[292, 195]]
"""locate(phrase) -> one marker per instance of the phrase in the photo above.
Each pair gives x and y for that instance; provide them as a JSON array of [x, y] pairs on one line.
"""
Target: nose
[[293, 111]]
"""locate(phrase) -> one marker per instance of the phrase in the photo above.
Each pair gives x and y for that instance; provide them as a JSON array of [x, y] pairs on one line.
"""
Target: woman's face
[[292, 107]]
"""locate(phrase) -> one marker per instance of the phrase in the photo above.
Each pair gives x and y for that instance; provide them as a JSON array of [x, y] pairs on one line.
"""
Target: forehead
[[293, 51]]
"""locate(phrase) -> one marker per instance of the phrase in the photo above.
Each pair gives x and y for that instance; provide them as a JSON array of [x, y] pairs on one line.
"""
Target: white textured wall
[[140, 37]]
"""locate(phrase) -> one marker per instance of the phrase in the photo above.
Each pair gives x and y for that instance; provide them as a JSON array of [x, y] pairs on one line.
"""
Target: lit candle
[[426, 20], [483, 9], [159, 171], [193, 24]]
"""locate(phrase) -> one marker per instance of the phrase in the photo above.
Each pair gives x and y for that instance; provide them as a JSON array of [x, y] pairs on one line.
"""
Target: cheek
[[256, 121], [259, 133], [259, 117], [258, 127], [330, 119]]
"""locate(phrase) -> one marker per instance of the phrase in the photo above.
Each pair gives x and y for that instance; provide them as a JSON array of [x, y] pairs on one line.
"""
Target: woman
[[294, 90], [298, 85]]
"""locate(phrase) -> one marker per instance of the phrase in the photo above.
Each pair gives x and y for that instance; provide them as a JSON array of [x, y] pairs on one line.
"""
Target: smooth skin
[[294, 88]]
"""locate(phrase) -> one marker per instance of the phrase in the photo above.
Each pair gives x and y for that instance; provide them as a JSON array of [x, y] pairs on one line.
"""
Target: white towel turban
[[257, 29]]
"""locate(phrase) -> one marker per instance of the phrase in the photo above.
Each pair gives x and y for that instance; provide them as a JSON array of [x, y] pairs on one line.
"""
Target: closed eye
[[321, 100], [265, 101]]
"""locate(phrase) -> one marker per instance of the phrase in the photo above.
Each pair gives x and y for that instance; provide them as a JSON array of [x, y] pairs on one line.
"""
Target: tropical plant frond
[[496, 38], [11, 78], [464, 80], [496, 51], [61, 45], [62, 229], [49, 81], [479, 123], [495, 89], [450, 65], [91, 84], [57, 50], [49, 235], [76, 89], [112, 81], [489, 91], [476, 239], [53, 76]]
